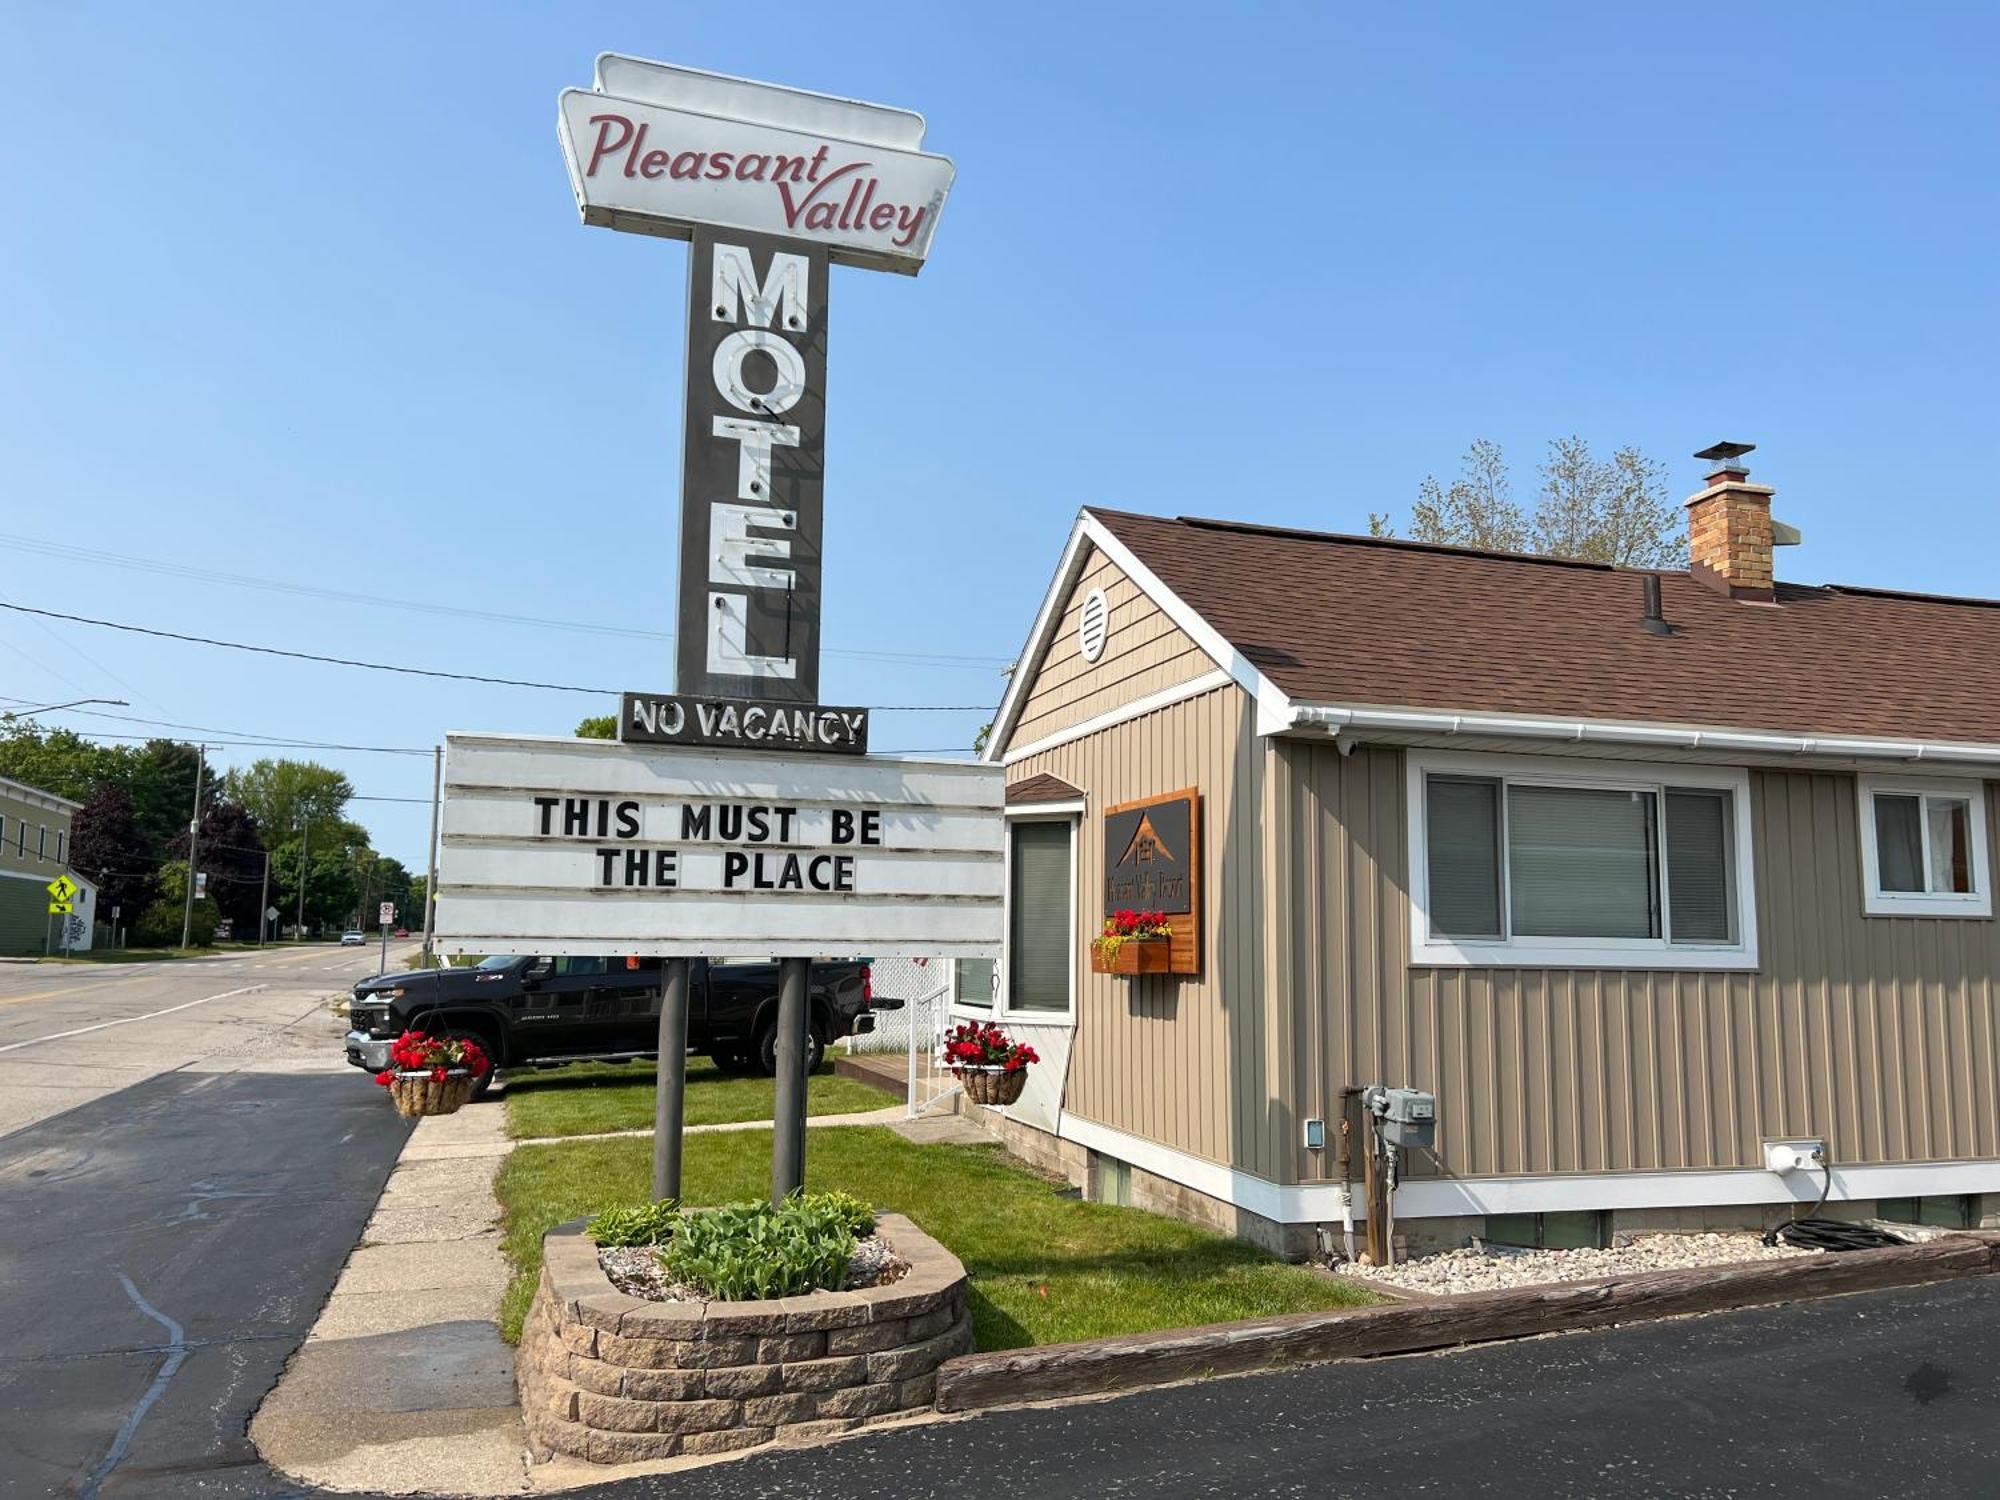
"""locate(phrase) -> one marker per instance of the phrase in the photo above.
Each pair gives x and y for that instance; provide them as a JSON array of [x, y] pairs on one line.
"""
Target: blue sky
[[299, 294]]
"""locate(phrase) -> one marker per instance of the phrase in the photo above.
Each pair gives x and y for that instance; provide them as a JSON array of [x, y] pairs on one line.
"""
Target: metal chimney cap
[[1727, 453]]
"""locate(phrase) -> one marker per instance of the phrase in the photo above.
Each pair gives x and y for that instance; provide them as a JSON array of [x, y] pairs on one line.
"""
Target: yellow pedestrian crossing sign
[[62, 891]]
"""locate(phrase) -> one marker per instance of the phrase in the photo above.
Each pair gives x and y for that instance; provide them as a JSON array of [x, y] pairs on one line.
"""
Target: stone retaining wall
[[617, 1379]]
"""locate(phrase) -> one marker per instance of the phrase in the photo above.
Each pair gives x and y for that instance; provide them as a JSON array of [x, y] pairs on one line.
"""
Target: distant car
[[353, 938], [402, 932]]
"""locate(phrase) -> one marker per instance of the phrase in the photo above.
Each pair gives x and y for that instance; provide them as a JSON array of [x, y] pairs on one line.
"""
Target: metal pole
[[194, 840], [788, 1136], [670, 1079], [383, 967], [305, 842], [264, 900], [431, 880]]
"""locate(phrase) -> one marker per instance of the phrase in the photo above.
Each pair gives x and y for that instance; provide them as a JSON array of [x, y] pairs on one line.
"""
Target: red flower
[[385, 1077]]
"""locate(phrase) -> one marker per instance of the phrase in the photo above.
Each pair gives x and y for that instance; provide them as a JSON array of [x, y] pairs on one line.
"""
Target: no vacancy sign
[[570, 846]]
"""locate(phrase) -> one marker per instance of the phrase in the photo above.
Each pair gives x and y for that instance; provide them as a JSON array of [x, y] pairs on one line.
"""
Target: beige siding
[[1145, 653], [1181, 1061], [1878, 1034]]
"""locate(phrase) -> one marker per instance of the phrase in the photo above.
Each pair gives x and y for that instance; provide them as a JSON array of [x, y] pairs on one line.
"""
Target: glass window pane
[[1951, 844], [1462, 849], [974, 981], [1582, 863], [1700, 907], [1038, 927], [1899, 843]]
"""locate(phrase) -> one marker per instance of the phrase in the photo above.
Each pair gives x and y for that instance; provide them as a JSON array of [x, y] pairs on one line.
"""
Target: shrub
[[645, 1224], [750, 1251], [159, 925]]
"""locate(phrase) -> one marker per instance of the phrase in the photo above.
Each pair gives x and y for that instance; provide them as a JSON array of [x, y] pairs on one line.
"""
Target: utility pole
[[305, 840], [788, 1118], [431, 880], [194, 840], [264, 900]]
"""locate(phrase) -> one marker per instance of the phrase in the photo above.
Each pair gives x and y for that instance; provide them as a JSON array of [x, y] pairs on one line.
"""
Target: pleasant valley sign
[[660, 149], [586, 847]]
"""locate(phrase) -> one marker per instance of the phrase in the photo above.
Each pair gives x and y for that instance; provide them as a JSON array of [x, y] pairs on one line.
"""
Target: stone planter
[[617, 1379]]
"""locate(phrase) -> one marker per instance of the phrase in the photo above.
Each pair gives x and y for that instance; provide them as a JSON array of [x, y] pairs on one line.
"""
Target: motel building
[[1639, 873]]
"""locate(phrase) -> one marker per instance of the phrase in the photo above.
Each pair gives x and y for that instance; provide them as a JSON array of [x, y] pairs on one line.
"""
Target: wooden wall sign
[[1152, 862]]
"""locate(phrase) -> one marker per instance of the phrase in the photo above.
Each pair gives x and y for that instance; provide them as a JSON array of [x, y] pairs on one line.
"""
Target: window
[[62, 847], [42, 842], [1923, 848], [576, 967], [1546, 861], [972, 983], [1040, 908], [1588, 1230]]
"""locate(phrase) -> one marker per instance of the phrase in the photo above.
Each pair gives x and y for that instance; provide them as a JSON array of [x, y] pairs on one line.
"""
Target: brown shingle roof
[[1042, 788], [1360, 621]]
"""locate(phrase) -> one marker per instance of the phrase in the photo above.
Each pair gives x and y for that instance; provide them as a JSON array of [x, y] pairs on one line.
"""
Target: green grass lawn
[[148, 955], [1046, 1267], [585, 1098]]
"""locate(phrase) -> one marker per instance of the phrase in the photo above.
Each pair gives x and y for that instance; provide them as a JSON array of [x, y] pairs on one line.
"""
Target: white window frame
[[1070, 813], [1875, 901], [1579, 953]]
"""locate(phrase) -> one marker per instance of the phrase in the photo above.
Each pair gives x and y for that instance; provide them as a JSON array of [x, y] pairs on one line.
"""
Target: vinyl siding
[[1182, 1061], [1144, 653], [1876, 1033]]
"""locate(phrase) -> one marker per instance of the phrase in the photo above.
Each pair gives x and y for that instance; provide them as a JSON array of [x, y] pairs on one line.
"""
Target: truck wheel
[[767, 1050]]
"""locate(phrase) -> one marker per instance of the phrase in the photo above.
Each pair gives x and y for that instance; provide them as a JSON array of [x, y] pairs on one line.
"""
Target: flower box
[[1148, 955]]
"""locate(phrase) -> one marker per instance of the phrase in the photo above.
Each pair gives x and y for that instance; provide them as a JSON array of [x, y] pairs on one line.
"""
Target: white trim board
[[1153, 702], [1274, 709], [1441, 1198]]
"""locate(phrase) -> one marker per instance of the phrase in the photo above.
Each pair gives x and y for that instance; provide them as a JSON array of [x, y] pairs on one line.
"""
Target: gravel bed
[[635, 1270], [1489, 1267]]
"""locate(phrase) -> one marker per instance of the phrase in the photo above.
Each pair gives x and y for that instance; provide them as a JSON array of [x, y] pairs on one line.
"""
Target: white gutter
[[1587, 731]]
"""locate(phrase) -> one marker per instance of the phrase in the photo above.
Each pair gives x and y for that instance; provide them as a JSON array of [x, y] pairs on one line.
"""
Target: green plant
[[852, 1211], [645, 1224], [1124, 927], [750, 1251]]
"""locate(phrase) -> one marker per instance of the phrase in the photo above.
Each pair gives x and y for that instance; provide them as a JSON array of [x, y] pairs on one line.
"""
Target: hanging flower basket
[[420, 1093], [432, 1075], [988, 1085], [989, 1065]]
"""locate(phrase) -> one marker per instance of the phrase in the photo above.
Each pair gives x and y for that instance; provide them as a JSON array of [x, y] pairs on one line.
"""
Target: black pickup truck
[[538, 1012]]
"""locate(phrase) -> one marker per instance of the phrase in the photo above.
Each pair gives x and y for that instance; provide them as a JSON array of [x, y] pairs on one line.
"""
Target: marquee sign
[[658, 149], [571, 846], [1152, 862]]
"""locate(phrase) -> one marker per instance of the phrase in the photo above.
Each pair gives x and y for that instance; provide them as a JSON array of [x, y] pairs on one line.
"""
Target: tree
[[60, 760], [1613, 511], [284, 795], [107, 847], [162, 782], [598, 727], [231, 850], [332, 891]]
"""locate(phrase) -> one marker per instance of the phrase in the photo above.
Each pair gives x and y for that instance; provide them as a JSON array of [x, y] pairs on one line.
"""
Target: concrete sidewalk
[[404, 1384]]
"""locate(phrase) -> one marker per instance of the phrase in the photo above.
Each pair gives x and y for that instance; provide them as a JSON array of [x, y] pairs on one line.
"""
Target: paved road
[[185, 1162], [1890, 1393]]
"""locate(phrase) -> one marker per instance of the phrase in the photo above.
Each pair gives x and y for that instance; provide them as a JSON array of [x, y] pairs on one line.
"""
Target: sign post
[[719, 824], [384, 915]]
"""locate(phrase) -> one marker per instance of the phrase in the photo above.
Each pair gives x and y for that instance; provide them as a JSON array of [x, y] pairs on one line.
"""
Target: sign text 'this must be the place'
[[767, 844]]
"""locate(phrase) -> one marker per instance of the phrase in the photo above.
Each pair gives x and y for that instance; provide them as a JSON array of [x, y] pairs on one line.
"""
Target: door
[[631, 993]]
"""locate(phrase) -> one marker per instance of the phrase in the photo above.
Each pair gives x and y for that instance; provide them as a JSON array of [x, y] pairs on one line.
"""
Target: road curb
[[1103, 1367]]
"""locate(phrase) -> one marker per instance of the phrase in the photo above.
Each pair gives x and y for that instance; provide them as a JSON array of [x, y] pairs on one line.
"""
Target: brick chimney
[[1730, 531]]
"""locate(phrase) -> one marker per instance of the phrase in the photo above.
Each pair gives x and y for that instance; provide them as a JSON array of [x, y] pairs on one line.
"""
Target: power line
[[239, 580], [241, 735], [376, 666]]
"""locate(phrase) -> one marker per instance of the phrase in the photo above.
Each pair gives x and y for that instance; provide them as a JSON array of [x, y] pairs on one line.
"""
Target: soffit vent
[[1093, 625]]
